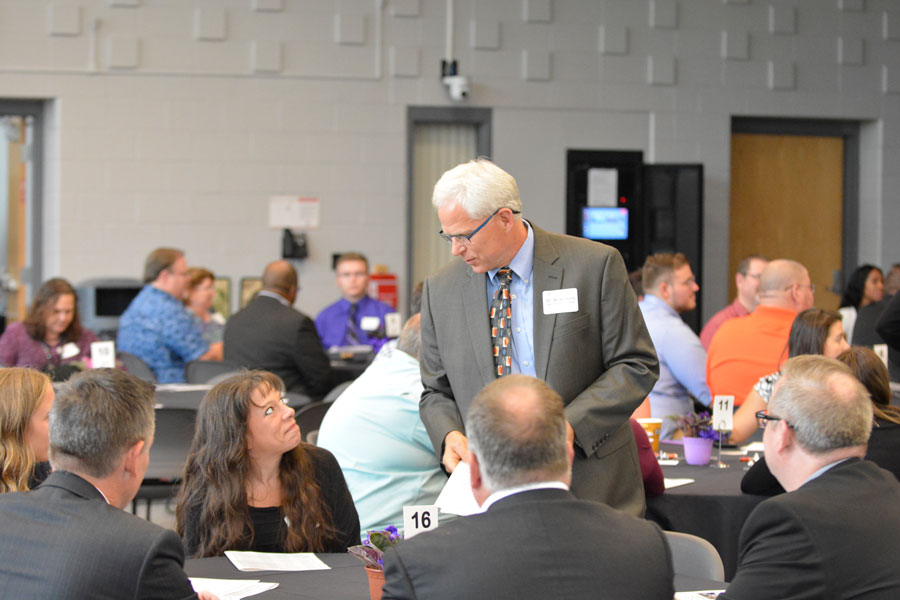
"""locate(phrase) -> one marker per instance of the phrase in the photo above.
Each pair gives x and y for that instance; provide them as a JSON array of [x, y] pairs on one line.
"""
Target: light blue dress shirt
[[521, 290], [682, 364], [375, 433]]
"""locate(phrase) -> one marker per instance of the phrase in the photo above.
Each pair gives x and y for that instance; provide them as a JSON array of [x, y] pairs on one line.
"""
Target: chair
[[693, 556], [171, 445], [204, 371], [309, 418], [136, 366]]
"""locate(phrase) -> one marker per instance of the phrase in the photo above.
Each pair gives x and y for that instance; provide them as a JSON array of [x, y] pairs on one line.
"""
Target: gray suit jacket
[[535, 544], [599, 359], [62, 540]]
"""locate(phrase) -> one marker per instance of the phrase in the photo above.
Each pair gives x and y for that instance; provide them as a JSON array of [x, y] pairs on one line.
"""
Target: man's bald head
[[281, 277], [517, 431], [785, 283]]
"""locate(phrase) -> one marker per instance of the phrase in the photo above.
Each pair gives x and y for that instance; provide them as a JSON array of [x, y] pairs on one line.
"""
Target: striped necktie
[[501, 330], [352, 333]]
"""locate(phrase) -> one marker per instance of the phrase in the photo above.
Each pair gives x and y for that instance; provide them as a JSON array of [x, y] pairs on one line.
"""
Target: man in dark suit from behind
[[269, 334], [834, 534], [535, 539], [70, 537]]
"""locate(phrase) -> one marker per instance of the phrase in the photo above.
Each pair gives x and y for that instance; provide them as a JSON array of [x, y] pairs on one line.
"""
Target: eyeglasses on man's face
[[464, 239], [763, 415]]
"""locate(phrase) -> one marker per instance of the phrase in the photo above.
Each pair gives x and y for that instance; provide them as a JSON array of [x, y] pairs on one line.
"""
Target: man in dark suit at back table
[[70, 537], [269, 334], [835, 533], [573, 322], [535, 539]]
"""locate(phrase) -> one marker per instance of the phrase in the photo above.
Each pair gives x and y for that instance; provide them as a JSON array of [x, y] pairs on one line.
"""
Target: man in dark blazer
[[834, 534], [535, 539], [70, 537], [269, 334], [575, 324]]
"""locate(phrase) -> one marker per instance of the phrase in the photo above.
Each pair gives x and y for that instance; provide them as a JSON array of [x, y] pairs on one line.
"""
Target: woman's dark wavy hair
[[214, 486], [36, 320], [856, 286]]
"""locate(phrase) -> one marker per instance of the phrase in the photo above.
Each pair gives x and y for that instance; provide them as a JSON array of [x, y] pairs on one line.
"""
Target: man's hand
[[455, 447], [204, 595]]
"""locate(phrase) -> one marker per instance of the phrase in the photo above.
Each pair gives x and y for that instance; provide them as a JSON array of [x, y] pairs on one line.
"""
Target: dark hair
[[214, 486], [47, 295], [872, 373], [158, 261], [659, 266], [856, 285], [743, 267], [810, 330]]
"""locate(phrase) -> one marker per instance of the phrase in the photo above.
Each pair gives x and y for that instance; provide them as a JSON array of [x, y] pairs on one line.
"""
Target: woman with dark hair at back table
[[884, 442], [864, 287], [51, 338], [26, 397], [814, 331], [250, 483]]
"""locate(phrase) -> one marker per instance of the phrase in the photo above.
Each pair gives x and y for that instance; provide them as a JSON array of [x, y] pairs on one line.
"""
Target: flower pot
[[376, 581], [697, 450]]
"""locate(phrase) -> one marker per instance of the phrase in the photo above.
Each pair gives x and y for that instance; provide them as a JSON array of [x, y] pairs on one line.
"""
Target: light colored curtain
[[436, 148]]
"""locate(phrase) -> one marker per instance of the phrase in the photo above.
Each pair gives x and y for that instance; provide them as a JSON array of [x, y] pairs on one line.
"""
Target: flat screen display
[[604, 223]]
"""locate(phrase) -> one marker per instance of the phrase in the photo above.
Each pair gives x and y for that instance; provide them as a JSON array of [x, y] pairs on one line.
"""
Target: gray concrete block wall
[[189, 114]]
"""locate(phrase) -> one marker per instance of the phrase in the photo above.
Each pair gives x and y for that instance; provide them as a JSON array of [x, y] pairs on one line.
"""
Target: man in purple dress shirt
[[747, 281], [356, 318]]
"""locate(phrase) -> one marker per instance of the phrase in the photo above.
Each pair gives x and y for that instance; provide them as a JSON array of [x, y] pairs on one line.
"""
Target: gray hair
[[410, 340], [96, 417], [517, 429], [825, 404], [479, 187]]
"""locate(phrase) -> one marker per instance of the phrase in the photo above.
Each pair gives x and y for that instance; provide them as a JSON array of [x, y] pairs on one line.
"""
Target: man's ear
[[474, 470], [784, 436], [130, 460]]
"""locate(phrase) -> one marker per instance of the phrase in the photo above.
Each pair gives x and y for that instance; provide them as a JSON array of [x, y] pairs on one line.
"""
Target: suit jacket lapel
[[477, 320], [547, 276]]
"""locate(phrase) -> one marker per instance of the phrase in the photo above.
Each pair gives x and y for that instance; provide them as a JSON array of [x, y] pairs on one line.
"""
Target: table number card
[[392, 325], [723, 413], [103, 355], [419, 518]]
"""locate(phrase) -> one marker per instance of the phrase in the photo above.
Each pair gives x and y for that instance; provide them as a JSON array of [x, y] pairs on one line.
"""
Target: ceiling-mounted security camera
[[457, 87]]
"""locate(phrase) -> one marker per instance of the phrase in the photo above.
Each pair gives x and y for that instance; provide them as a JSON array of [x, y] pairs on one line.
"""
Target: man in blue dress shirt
[[156, 328], [669, 290], [356, 318]]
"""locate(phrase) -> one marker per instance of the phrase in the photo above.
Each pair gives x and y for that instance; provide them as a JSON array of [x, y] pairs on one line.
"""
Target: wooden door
[[787, 202]]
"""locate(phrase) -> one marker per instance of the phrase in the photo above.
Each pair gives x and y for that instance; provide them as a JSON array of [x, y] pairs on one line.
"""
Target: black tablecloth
[[346, 580], [712, 507]]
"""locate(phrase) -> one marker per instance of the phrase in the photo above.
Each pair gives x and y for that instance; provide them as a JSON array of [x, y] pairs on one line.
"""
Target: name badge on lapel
[[560, 301]]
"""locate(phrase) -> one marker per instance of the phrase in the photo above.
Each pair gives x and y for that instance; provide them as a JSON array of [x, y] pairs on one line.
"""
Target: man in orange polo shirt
[[747, 348]]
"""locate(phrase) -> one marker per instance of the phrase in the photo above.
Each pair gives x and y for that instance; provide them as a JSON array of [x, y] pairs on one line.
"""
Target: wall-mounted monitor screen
[[604, 223]]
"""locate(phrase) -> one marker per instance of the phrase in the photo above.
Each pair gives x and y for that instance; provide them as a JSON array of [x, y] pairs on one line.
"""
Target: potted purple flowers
[[698, 436], [371, 552]]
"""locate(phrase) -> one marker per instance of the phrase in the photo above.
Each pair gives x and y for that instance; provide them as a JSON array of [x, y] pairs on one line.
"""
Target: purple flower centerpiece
[[372, 550], [697, 425]]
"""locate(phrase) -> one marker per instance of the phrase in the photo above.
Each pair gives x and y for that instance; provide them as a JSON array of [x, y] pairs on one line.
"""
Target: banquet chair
[[693, 556], [136, 366]]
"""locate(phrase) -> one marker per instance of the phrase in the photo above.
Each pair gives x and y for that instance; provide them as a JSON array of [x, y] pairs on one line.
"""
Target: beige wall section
[[786, 202], [15, 231], [173, 122]]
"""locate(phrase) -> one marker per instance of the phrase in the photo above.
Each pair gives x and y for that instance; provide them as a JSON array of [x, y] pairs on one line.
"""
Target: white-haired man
[[522, 300]]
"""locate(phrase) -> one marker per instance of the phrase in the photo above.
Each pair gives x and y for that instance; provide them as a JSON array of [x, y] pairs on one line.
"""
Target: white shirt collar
[[275, 295], [525, 487], [823, 469]]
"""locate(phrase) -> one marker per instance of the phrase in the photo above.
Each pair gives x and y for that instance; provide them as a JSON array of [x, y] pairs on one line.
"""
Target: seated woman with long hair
[[250, 483], [26, 397], [814, 331], [884, 442], [51, 337], [865, 286]]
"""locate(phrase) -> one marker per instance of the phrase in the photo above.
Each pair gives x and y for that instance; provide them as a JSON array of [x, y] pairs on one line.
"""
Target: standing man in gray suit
[[70, 537], [563, 311], [534, 539]]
